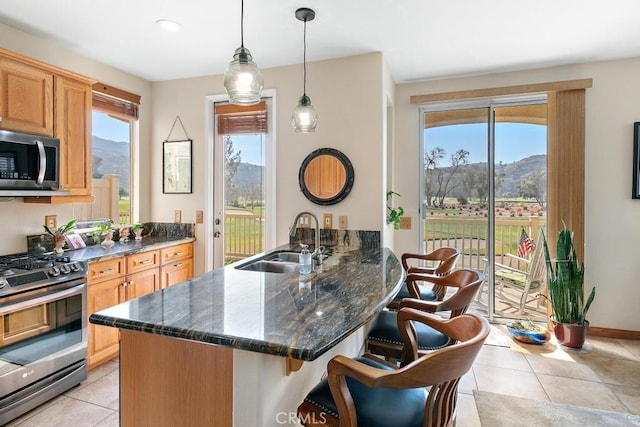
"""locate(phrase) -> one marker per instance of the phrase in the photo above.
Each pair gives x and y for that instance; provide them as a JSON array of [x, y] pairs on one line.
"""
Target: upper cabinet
[[73, 127], [26, 95], [42, 99]]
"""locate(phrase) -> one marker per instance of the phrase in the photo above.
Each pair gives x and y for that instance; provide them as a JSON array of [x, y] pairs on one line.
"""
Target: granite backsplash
[[332, 237], [39, 243]]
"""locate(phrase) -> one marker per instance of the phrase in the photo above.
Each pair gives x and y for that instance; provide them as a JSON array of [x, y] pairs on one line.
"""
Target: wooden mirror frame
[[341, 193]]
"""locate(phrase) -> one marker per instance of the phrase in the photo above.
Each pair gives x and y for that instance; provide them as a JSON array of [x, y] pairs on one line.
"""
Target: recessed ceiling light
[[169, 25]]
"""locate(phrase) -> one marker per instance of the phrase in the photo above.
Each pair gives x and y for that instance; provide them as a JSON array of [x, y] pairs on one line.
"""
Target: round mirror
[[326, 176]]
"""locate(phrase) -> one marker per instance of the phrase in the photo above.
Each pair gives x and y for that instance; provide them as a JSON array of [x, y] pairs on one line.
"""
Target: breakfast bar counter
[[223, 348]]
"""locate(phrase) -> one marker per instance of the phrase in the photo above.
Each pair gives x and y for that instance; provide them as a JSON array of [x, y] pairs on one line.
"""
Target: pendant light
[[304, 118], [242, 80]]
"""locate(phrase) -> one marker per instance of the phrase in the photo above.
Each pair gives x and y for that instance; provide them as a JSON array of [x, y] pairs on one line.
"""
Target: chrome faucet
[[317, 250]]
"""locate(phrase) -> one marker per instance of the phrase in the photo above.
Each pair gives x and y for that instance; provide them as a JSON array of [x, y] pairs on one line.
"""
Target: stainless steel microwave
[[29, 164]]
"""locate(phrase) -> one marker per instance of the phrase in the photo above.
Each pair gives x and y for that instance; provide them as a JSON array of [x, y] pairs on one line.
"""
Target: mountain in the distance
[[115, 158]]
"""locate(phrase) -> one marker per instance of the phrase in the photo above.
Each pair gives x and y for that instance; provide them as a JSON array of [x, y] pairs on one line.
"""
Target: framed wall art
[[636, 161], [176, 166]]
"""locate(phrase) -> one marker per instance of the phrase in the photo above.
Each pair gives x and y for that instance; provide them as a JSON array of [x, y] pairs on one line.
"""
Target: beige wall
[[612, 218], [347, 94], [28, 218]]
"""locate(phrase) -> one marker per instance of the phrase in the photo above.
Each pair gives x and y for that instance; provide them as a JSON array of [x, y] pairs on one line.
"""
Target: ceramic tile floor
[[605, 375]]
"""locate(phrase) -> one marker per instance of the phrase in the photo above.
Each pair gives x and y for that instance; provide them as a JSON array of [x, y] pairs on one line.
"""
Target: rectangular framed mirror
[[636, 161], [176, 166]]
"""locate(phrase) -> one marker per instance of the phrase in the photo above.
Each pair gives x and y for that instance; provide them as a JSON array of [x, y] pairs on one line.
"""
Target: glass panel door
[[484, 192]]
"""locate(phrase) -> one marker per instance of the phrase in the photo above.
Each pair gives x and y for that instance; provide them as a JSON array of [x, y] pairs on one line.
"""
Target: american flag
[[525, 246]]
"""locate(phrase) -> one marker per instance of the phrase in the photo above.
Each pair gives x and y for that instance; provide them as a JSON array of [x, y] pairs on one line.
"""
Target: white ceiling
[[420, 39]]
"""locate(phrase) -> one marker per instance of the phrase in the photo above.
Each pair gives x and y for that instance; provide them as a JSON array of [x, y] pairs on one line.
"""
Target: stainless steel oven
[[43, 335]]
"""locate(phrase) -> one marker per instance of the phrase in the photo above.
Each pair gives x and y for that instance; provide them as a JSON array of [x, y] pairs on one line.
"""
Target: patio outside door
[[484, 192], [242, 182]]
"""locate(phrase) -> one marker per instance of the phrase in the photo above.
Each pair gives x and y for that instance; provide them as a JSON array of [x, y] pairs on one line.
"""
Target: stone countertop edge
[[102, 253], [287, 332]]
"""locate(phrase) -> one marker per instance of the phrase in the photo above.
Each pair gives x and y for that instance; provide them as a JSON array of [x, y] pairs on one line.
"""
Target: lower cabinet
[[116, 280], [177, 264], [103, 342], [120, 279], [104, 289]]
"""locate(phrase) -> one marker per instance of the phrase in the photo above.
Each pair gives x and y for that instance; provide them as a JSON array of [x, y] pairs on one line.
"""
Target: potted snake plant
[[565, 284]]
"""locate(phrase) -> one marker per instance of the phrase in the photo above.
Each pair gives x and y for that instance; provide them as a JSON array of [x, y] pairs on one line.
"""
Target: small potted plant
[[137, 230], [394, 214], [104, 228], [58, 235], [565, 282]]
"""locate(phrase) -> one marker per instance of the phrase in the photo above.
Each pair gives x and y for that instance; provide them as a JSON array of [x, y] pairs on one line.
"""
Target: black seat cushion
[[384, 328], [425, 293], [375, 407]]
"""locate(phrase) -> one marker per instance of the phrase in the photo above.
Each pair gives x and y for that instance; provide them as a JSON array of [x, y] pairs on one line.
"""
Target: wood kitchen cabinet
[[109, 284], [177, 264], [143, 275], [104, 290], [26, 98], [114, 281], [73, 127], [42, 99]]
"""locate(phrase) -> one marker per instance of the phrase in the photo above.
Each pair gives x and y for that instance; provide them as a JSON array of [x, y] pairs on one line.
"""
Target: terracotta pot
[[570, 334]]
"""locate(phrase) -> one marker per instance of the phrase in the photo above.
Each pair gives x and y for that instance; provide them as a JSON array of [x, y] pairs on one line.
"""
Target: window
[[114, 113]]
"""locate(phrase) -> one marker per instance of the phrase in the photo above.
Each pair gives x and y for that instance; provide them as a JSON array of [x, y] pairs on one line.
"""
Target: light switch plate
[[51, 221], [405, 223], [199, 217], [342, 221], [177, 216], [328, 220]]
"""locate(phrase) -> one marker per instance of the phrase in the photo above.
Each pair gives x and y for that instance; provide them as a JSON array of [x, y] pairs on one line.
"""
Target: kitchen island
[[229, 347]]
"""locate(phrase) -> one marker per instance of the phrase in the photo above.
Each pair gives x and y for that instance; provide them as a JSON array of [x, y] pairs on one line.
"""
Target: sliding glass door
[[484, 192]]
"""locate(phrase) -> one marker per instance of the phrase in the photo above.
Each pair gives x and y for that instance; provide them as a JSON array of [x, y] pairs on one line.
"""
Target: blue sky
[[514, 141], [107, 128], [249, 145]]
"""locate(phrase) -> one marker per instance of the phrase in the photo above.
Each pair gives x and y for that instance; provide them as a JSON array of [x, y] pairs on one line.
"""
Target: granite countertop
[[99, 253], [274, 313]]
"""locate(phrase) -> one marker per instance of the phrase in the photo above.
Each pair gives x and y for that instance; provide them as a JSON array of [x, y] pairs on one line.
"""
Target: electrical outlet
[[177, 216], [342, 221], [405, 223], [199, 217], [51, 221], [304, 221], [328, 220]]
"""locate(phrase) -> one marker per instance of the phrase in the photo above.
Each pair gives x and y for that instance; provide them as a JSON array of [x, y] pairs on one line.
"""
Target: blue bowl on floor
[[530, 337]]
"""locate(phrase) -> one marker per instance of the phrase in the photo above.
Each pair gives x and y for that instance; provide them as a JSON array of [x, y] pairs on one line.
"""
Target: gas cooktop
[[21, 272]]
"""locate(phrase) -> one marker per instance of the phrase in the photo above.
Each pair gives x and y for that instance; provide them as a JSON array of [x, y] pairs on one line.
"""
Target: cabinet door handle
[[145, 261], [177, 265], [106, 271], [124, 284], [178, 254], [131, 283]]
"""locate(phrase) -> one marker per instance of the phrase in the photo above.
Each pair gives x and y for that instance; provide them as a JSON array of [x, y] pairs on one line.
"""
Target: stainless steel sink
[[273, 262], [269, 266], [282, 256]]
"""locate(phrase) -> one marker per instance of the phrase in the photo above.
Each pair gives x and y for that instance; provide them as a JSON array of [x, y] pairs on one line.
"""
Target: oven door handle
[[41, 300]]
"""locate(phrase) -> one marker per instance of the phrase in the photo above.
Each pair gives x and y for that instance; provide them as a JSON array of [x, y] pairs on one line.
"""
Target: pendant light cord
[[304, 59], [242, 23]]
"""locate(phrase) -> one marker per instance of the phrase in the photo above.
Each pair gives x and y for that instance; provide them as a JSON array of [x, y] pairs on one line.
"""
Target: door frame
[[270, 176]]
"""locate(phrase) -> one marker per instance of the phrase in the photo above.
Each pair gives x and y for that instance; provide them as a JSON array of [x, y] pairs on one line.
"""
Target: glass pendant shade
[[304, 118], [242, 80]]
